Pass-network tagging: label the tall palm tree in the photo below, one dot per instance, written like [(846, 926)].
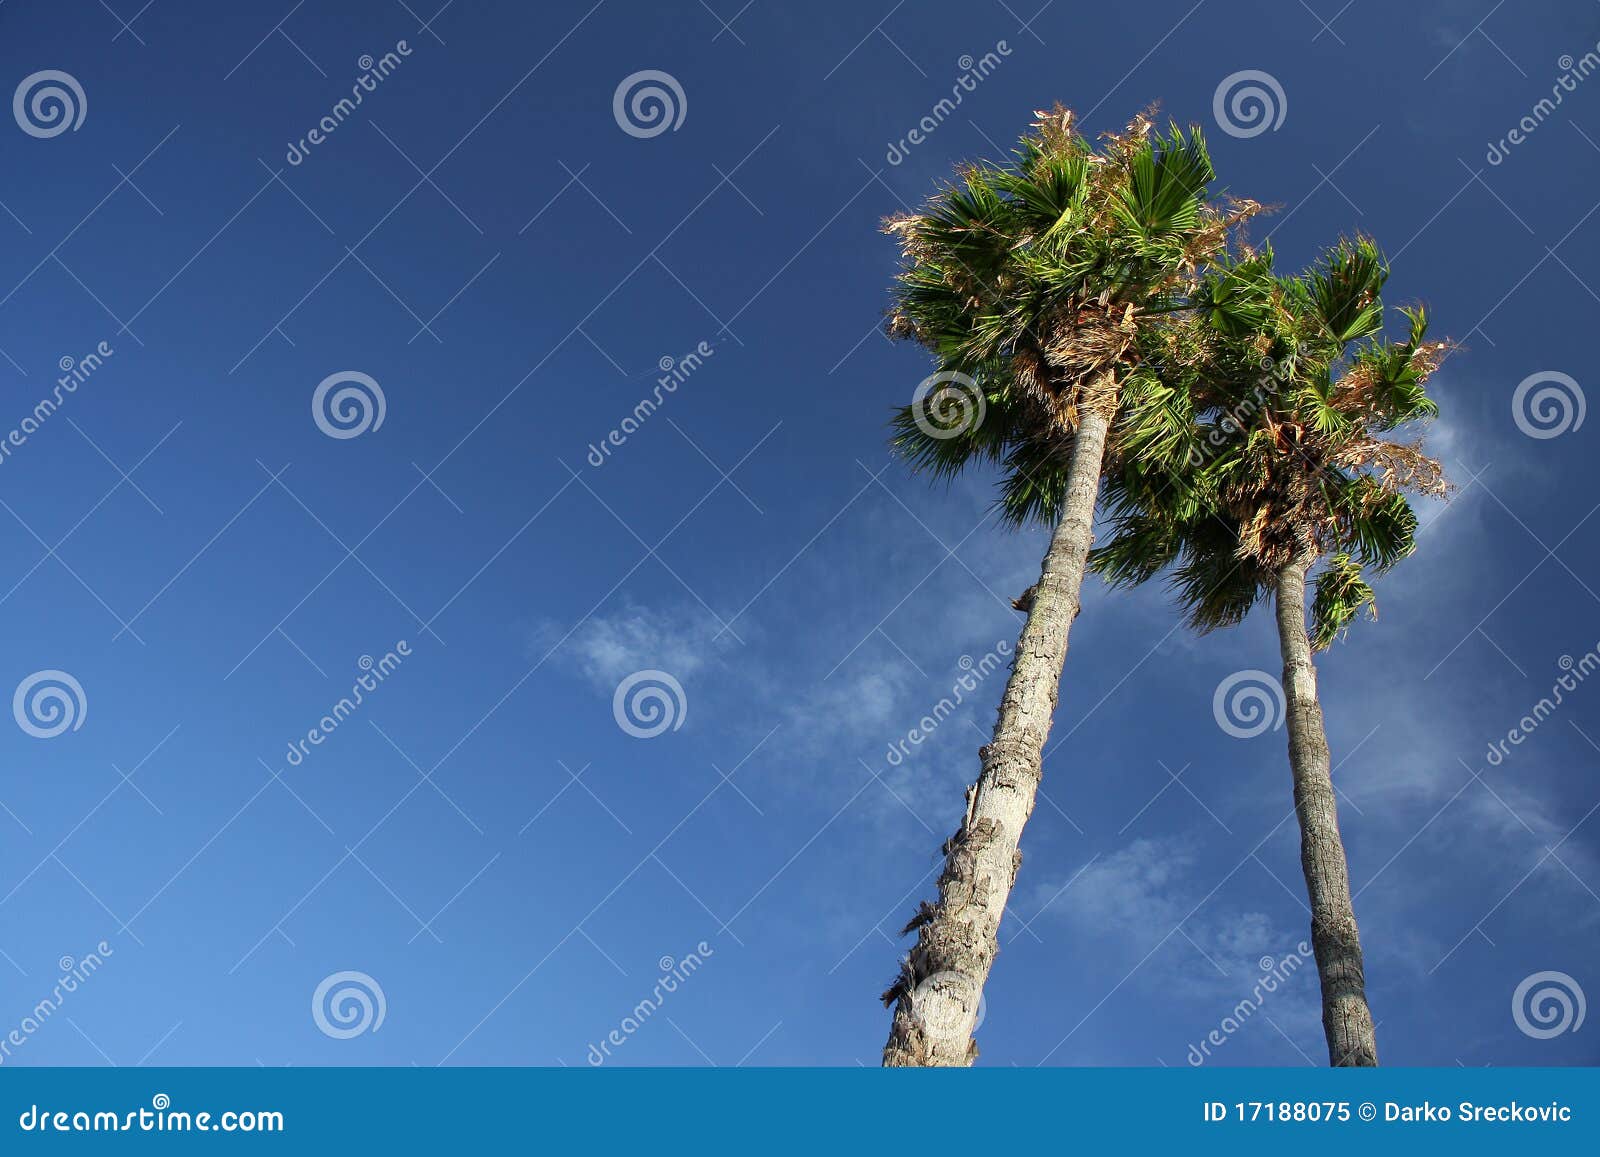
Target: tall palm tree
[(1031, 283), (1275, 459)]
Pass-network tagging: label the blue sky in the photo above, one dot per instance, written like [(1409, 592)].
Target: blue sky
[(482, 238)]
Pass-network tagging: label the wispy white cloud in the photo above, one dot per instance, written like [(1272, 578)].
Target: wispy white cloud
[(612, 645), (1146, 893), (1143, 907)]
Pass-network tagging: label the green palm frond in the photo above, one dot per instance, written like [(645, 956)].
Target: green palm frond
[(1140, 549), (1214, 586), (1341, 593), (1381, 526), (1237, 297), (1033, 487), (1041, 279), (1344, 288), (1166, 177), (1258, 426)]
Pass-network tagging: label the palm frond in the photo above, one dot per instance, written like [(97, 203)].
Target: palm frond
[(1341, 593)]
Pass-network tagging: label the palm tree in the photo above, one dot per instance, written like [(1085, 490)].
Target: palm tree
[(1031, 284), (1275, 458)]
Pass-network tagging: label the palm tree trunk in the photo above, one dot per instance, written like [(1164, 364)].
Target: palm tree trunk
[(936, 996), (1346, 1020)]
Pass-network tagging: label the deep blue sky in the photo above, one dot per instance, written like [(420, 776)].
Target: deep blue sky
[(814, 601)]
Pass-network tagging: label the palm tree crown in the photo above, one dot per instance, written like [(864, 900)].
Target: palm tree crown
[(1270, 436), (1032, 280)]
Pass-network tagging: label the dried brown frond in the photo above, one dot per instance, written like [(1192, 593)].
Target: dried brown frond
[(1083, 347), (1057, 127), (1238, 210), (1428, 357), (900, 222), (1120, 146), (1239, 232), (1397, 467), (899, 326), (1354, 390)]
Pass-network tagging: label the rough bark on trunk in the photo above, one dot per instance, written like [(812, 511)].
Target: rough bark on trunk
[(937, 994), (1346, 1020)]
